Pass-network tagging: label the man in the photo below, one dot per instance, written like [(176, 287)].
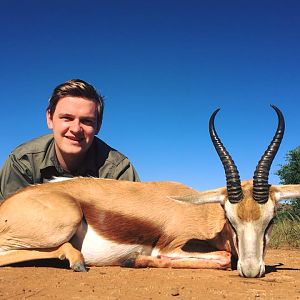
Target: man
[(74, 115)]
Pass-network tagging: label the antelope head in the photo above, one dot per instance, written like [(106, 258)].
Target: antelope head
[(249, 206)]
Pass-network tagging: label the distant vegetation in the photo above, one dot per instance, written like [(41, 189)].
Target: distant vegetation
[(286, 229)]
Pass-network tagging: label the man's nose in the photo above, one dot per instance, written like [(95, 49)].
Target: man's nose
[(76, 126)]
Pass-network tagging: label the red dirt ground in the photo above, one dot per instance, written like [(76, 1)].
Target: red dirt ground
[(41, 281)]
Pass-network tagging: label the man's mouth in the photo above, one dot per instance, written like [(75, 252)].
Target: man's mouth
[(74, 139)]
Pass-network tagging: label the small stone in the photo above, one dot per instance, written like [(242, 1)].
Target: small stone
[(175, 292)]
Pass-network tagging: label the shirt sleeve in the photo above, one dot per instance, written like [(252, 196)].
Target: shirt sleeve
[(125, 171), (13, 176)]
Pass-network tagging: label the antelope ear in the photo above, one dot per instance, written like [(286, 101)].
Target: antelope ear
[(289, 191), (211, 196)]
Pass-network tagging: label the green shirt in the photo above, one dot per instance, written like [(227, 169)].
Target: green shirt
[(35, 162)]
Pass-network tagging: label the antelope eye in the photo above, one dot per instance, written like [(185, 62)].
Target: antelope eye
[(233, 228), (270, 224)]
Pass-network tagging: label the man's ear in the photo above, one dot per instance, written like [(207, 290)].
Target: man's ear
[(49, 119)]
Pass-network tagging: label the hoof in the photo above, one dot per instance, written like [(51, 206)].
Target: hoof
[(130, 261), (79, 267)]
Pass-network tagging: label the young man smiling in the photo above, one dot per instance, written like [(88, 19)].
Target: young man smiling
[(74, 115)]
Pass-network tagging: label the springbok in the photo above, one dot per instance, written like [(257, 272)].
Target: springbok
[(100, 222)]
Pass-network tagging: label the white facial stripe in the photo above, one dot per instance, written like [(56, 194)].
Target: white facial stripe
[(250, 238)]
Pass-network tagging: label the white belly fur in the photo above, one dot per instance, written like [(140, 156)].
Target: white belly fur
[(99, 251)]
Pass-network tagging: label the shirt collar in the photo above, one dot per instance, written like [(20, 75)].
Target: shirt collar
[(88, 167)]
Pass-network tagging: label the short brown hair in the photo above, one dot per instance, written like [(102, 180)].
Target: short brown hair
[(77, 88)]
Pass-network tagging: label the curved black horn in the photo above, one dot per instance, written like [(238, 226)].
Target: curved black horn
[(261, 174), (234, 189)]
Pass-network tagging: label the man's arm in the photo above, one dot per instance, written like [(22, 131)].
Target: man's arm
[(13, 176), (125, 171)]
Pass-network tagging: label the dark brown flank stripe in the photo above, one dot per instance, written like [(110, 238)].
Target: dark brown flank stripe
[(121, 229)]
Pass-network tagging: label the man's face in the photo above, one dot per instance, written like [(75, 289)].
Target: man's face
[(73, 123)]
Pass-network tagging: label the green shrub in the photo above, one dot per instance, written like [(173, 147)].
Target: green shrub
[(286, 229)]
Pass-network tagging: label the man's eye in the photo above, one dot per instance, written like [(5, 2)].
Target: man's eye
[(66, 118), (88, 122)]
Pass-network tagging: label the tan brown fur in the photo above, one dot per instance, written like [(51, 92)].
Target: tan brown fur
[(129, 230), (248, 209), (64, 251), (139, 200), (50, 215), (104, 203), (174, 224)]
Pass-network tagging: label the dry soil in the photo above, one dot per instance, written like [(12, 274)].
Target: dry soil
[(49, 280)]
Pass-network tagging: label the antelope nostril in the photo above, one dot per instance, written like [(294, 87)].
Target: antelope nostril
[(249, 271), (242, 274), (262, 271), (258, 275)]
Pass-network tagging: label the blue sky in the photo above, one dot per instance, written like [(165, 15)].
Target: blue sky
[(163, 67)]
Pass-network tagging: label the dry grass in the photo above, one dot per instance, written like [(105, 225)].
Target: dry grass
[(286, 231)]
